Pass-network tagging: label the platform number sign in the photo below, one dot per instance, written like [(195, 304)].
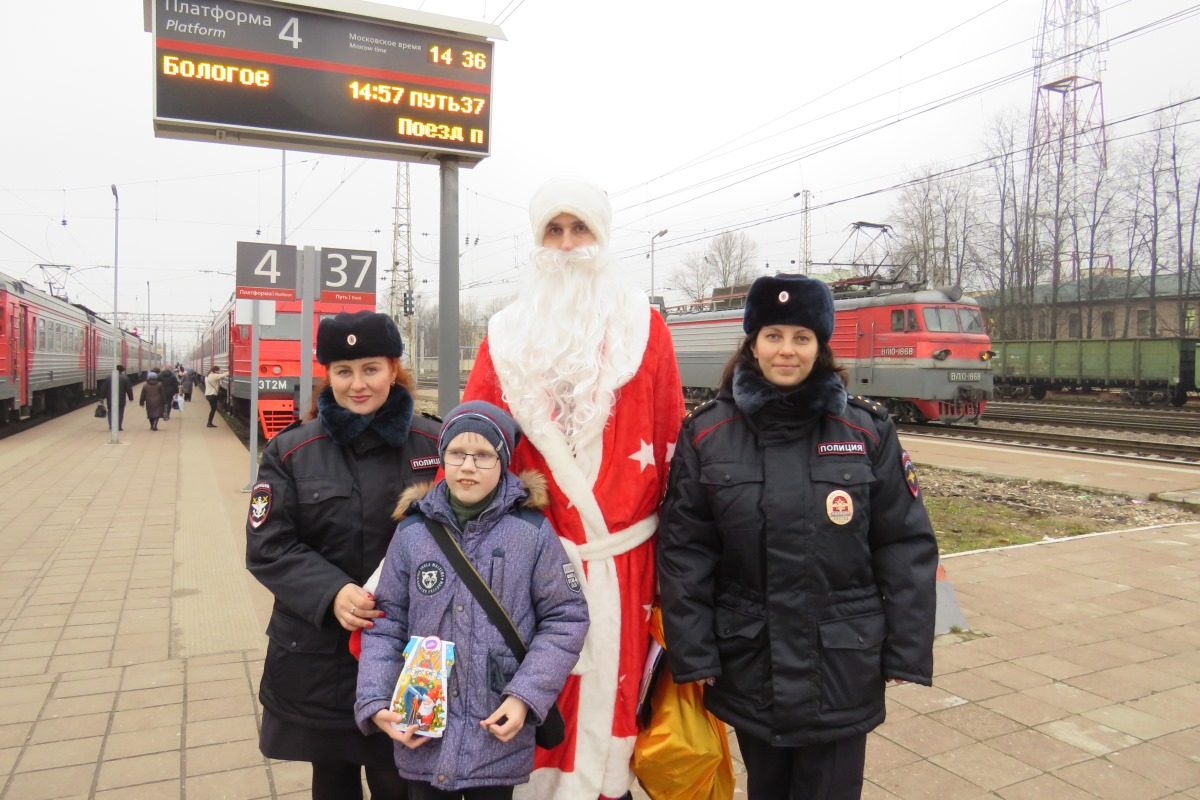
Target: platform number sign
[(347, 276), (266, 271)]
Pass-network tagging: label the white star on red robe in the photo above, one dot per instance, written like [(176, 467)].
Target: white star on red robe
[(644, 454)]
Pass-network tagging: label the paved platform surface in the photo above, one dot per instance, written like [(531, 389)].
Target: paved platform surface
[(131, 642)]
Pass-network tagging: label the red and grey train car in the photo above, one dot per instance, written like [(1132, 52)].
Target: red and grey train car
[(227, 344), (53, 353), (924, 353)]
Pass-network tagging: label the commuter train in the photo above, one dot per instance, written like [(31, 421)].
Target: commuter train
[(1144, 370), (53, 352), (924, 353), (227, 342)]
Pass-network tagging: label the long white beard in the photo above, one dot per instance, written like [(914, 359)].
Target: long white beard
[(564, 336)]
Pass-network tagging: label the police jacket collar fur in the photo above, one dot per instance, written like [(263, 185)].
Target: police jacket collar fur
[(819, 394), (391, 422)]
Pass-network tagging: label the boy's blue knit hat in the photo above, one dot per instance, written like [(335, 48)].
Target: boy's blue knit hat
[(489, 421)]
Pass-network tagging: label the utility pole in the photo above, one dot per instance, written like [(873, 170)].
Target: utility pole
[(1066, 135), (402, 263), (805, 233)]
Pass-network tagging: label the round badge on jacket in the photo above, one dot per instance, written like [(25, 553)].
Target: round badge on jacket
[(431, 577), (839, 506)]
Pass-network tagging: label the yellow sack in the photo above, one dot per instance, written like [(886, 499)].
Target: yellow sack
[(683, 753)]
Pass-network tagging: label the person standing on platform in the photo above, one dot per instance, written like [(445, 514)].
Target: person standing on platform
[(153, 398), (124, 392), (319, 523), (185, 384), (170, 383), (496, 699), (796, 561), (212, 391), (588, 371)]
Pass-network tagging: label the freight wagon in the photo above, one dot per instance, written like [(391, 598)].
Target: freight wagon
[(1144, 370)]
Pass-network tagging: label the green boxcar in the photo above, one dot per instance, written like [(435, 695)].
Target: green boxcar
[(1148, 369)]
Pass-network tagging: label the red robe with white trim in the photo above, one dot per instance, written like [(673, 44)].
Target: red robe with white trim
[(599, 704)]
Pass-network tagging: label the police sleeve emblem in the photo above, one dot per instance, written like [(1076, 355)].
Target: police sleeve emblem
[(260, 505), (910, 474)]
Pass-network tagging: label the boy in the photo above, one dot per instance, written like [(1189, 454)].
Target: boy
[(486, 748)]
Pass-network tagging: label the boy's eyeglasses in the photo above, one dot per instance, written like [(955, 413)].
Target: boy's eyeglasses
[(456, 458)]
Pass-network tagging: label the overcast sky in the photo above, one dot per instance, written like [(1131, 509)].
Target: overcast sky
[(696, 116)]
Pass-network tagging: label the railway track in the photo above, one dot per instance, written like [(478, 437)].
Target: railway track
[(1170, 422), (1095, 443)]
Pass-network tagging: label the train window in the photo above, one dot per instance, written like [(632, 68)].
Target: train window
[(898, 320), (940, 319), (912, 320), (41, 334), (1189, 321), (970, 320), (1074, 326), (287, 326)]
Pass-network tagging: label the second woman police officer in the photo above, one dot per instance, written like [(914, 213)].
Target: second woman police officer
[(796, 561)]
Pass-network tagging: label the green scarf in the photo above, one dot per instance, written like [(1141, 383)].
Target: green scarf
[(465, 513)]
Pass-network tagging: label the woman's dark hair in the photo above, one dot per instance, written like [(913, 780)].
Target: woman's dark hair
[(826, 362)]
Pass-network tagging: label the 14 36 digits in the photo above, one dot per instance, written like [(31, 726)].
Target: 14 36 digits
[(469, 59)]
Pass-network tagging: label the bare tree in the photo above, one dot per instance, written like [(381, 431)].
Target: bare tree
[(693, 277), (1180, 154), (934, 223), (731, 257), (727, 260)]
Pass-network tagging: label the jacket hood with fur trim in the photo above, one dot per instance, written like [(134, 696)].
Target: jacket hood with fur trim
[(534, 483)]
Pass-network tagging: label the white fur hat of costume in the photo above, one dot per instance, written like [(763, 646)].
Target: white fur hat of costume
[(574, 196)]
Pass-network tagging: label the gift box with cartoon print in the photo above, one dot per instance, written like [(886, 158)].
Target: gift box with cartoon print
[(420, 695)]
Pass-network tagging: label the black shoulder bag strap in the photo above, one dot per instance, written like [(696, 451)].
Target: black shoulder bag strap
[(478, 587), (552, 731)]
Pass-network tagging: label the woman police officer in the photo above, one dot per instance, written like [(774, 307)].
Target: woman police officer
[(796, 561), (319, 524)]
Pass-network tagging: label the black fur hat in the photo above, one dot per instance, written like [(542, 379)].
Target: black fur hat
[(789, 300), (362, 334)]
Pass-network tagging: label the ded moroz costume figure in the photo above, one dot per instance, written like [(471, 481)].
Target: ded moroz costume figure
[(587, 369)]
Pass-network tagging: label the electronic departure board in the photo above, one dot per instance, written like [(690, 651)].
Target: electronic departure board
[(301, 77)]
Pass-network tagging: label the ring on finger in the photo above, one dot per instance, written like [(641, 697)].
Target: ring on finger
[(353, 611)]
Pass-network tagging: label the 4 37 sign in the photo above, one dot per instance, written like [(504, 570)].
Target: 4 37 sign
[(270, 272)]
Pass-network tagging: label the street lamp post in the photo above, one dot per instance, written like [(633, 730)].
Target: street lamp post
[(663, 232), (114, 388)]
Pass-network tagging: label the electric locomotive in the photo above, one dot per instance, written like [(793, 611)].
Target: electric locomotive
[(924, 353), (227, 343)]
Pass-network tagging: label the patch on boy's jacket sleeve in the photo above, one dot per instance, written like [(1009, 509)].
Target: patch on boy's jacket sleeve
[(572, 578), (260, 504)]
